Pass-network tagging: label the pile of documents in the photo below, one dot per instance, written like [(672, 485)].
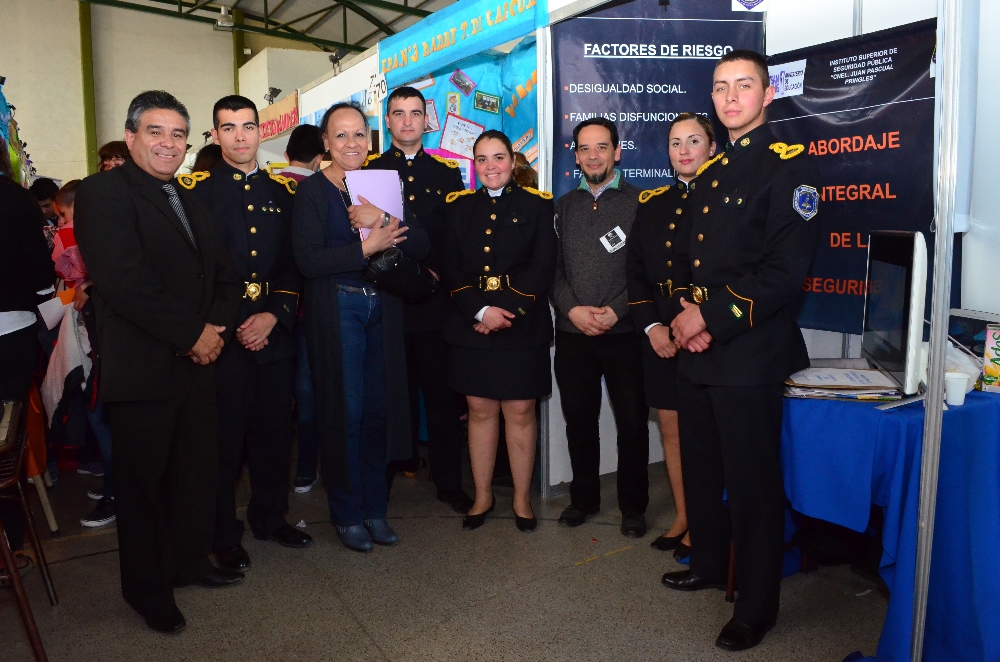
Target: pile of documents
[(841, 384)]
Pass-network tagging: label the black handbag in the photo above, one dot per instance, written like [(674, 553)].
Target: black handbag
[(397, 274)]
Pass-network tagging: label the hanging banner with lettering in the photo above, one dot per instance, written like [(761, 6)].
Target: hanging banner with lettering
[(864, 108), (639, 64), (456, 32)]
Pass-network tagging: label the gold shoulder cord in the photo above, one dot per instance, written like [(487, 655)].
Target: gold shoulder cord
[(451, 163), (704, 166), (455, 195), (288, 182), (544, 195), (646, 196), (188, 181), (787, 151), (371, 157)]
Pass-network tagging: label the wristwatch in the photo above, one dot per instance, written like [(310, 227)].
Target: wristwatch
[(386, 219)]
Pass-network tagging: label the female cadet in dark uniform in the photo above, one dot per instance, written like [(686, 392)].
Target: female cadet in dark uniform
[(499, 261), (649, 267)]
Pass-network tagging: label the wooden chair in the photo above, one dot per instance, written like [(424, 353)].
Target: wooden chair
[(12, 444)]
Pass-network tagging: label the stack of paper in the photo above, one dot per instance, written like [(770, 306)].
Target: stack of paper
[(841, 383)]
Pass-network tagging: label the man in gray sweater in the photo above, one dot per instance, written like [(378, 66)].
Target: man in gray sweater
[(594, 334)]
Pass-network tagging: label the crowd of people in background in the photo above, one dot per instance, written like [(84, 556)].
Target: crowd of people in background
[(226, 307)]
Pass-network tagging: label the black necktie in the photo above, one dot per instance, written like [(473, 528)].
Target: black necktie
[(175, 204)]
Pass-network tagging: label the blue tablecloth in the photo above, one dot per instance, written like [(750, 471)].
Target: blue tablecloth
[(839, 457)]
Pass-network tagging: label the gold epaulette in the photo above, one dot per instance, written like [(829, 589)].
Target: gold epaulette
[(787, 151), (704, 167), (645, 196), (455, 195), (544, 195), (451, 163), (288, 182), (188, 181), (371, 157)]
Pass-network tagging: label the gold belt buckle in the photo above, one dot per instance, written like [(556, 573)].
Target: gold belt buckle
[(253, 291), (492, 283), (699, 294)]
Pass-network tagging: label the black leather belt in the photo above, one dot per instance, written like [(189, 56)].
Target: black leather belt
[(350, 289), (699, 293), (494, 283), (667, 288), (255, 289)]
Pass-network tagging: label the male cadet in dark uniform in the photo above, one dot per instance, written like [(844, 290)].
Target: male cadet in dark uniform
[(427, 180), (252, 213), (752, 235)]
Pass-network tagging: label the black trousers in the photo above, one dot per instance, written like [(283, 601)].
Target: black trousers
[(427, 370), (730, 441), (255, 412), (18, 351), (164, 473), (580, 363)]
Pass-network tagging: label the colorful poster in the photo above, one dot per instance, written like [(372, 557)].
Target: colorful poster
[(519, 102), (459, 135)]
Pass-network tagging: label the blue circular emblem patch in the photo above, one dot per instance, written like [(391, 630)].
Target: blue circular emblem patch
[(749, 4), (805, 201)]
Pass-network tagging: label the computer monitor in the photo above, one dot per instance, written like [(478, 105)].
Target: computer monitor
[(894, 306)]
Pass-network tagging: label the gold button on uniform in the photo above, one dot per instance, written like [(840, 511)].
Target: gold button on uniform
[(253, 230), (726, 200), (697, 263), (486, 249), (705, 210), (740, 201), (409, 163), (410, 178), (253, 275), (249, 207), (488, 231), (725, 160), (669, 244), (486, 268), (253, 253), (684, 196), (701, 237), (237, 176), (691, 185), (670, 263), (672, 226), (412, 198), (279, 210), (246, 187), (715, 182), (428, 190), (493, 217), (679, 211)]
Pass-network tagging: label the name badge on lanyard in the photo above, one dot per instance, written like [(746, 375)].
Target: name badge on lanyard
[(613, 240)]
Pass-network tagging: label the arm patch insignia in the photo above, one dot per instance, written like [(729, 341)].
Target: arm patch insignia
[(805, 201)]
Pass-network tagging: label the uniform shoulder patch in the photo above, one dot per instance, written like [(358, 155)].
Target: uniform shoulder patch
[(705, 165), (455, 195), (786, 151), (371, 157), (544, 195), (287, 182), (189, 181), (451, 163), (648, 195), (805, 201)]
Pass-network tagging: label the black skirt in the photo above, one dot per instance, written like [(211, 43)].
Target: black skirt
[(660, 376), (511, 374)]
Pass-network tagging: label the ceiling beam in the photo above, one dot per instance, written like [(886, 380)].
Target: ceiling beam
[(392, 6), (368, 16), (303, 17), (198, 5)]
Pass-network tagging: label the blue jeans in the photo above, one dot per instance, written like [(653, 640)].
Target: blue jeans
[(305, 407), (364, 405), (102, 431)]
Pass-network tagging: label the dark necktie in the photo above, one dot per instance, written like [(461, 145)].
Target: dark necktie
[(175, 204)]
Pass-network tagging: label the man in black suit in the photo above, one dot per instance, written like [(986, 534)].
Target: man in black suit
[(166, 298)]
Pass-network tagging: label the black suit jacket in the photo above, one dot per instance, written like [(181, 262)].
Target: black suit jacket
[(154, 290), (25, 263)]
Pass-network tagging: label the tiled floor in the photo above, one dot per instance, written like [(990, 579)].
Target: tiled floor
[(441, 594)]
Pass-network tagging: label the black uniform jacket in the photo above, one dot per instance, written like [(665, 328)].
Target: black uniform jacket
[(427, 181), (500, 252), (153, 290), (25, 260), (649, 263), (752, 232), (253, 215)]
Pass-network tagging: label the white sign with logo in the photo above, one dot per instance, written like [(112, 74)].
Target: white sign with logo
[(789, 79), (750, 5)]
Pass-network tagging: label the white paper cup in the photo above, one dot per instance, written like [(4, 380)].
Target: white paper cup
[(955, 384)]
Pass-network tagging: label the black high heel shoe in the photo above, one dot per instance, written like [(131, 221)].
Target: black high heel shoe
[(666, 543), (472, 522), (525, 523)]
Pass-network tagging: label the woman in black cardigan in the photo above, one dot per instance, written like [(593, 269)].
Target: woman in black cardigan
[(354, 334), (499, 262)]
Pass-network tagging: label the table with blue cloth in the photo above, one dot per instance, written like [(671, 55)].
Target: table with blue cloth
[(841, 456)]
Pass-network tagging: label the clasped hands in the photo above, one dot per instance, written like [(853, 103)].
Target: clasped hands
[(689, 329), (367, 215), (591, 320), (494, 319), (252, 334)]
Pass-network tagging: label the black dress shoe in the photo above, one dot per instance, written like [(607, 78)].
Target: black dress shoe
[(685, 580), (289, 536), (633, 524), (666, 543), (575, 515), (472, 522), (234, 559), (525, 523), (459, 501), (681, 551), (170, 622), (739, 636), (216, 578)]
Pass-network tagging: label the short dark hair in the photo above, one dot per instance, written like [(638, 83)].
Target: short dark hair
[(67, 194), (493, 134), (305, 143), (405, 92), (44, 188), (758, 60), (116, 149), (233, 103), (596, 121), (154, 100), (353, 105), (207, 158), (703, 121)]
